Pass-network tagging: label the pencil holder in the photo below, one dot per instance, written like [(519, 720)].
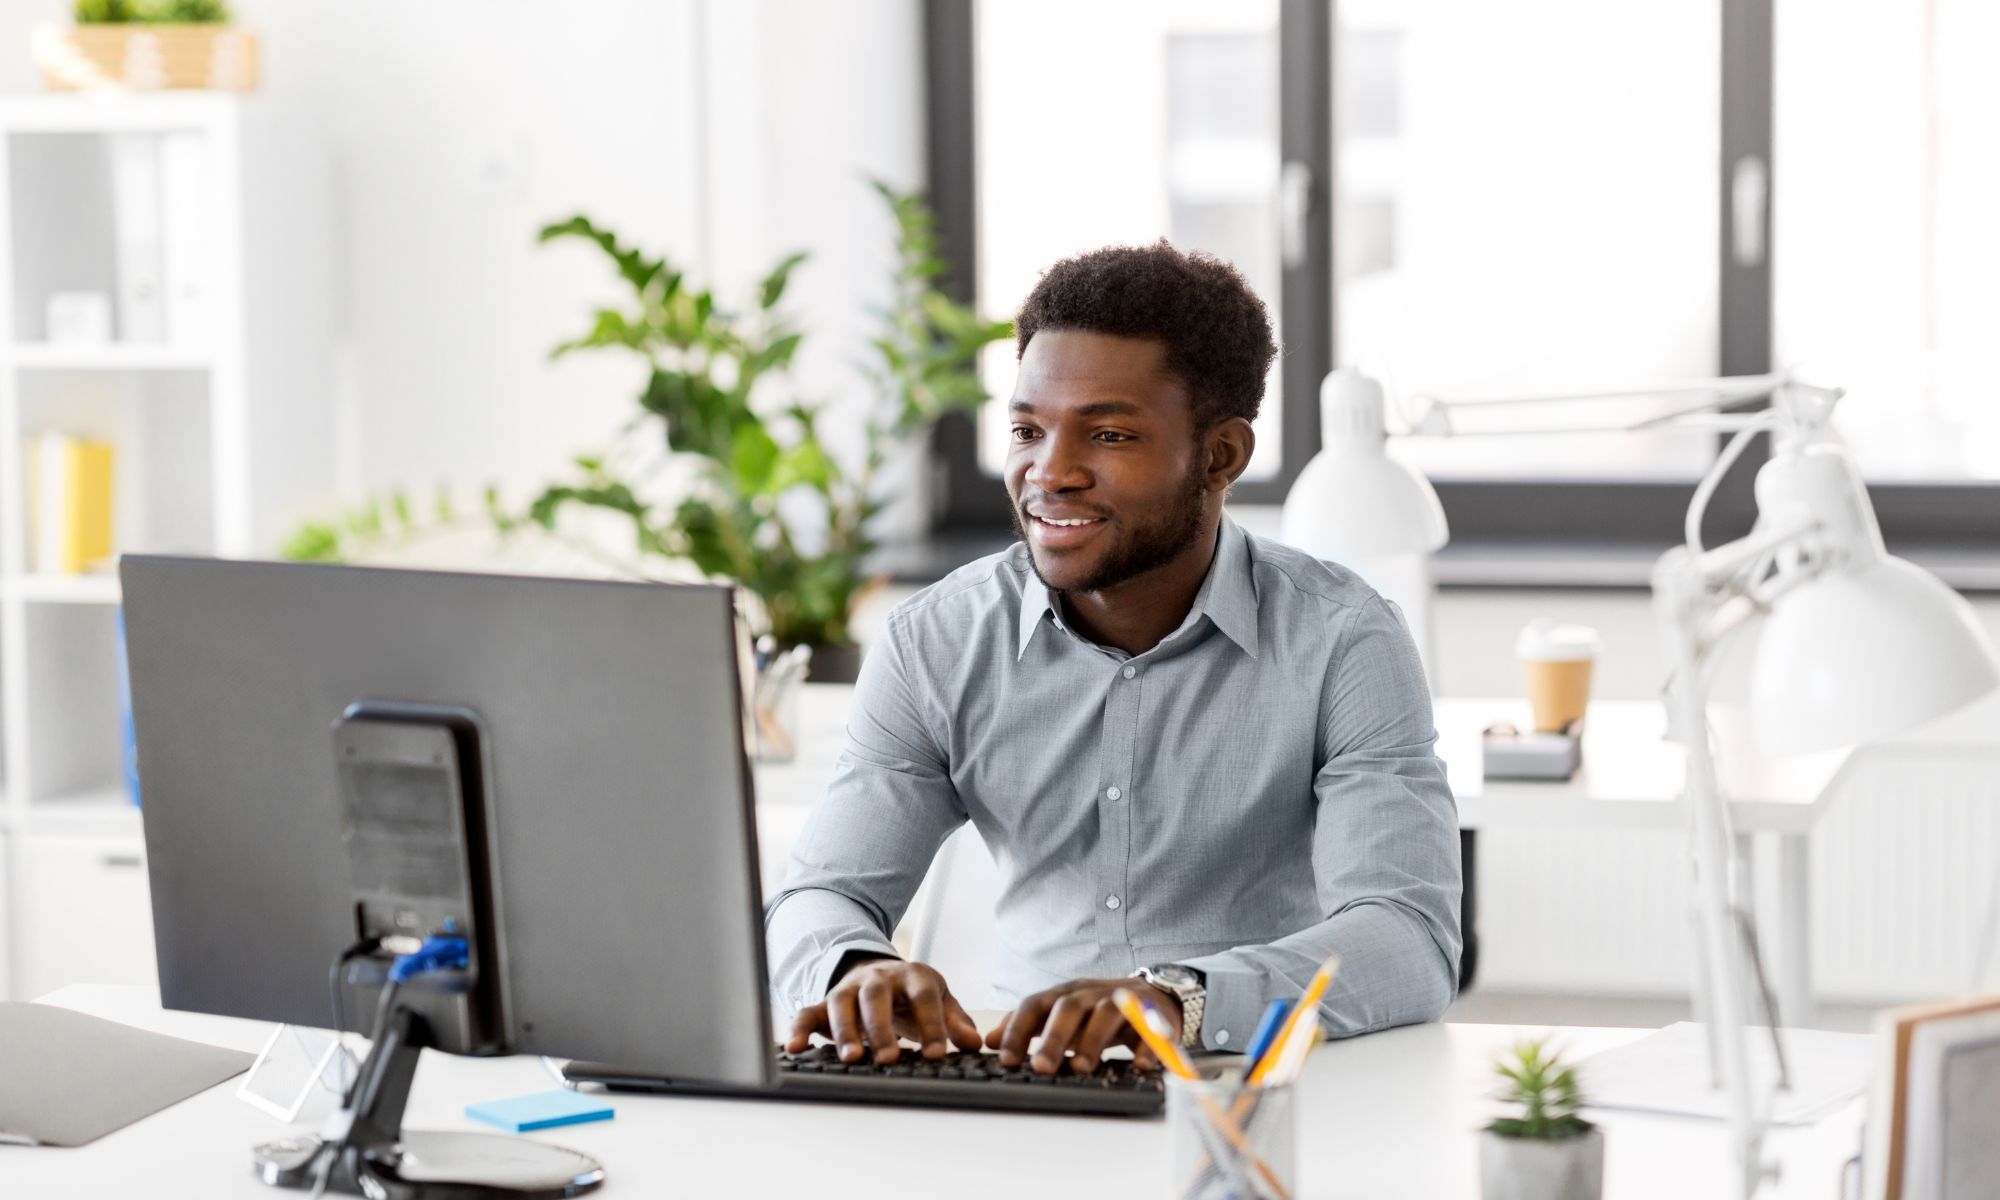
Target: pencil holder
[(1229, 1140)]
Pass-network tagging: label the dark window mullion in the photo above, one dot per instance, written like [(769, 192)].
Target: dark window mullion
[(1743, 284), (961, 495), (1305, 142)]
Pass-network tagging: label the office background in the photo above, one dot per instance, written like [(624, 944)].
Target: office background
[(1547, 216)]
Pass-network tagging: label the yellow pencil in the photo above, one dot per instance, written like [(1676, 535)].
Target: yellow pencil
[(1152, 1029), (1308, 1002), (1163, 1048)]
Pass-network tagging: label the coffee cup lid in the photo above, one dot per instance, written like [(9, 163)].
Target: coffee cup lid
[(1547, 640)]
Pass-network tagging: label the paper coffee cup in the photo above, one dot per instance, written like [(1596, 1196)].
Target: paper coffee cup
[(1555, 660)]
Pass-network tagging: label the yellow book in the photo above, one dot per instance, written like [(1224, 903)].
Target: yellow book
[(87, 531)]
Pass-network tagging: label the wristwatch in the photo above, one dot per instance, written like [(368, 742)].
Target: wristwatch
[(1188, 986)]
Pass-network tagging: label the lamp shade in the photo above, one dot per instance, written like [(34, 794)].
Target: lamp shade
[(1864, 654), (1352, 500)]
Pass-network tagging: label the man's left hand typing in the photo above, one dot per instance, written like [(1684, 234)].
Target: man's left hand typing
[(1080, 1020)]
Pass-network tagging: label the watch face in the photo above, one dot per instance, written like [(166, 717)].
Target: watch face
[(1176, 974)]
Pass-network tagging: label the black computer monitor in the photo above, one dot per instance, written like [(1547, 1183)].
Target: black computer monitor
[(338, 759)]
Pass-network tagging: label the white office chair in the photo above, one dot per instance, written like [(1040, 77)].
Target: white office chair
[(950, 923)]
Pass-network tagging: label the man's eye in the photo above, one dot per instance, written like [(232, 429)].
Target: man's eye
[(1110, 436), (1022, 433)]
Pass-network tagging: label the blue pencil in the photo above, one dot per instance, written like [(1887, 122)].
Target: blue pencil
[(1267, 1031)]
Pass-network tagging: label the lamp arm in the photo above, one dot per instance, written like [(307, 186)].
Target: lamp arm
[(1719, 394), (1681, 593)]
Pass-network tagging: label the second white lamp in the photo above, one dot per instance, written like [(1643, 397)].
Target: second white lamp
[(1355, 505)]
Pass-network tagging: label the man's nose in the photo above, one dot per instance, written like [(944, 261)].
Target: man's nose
[(1056, 468)]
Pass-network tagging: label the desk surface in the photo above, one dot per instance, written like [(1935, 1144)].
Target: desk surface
[(1384, 1116)]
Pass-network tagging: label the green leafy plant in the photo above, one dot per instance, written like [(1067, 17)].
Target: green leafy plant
[(1546, 1089), (719, 392), (152, 12), (767, 503), (382, 521)]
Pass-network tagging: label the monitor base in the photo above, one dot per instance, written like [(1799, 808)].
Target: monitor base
[(433, 1166), (377, 1158)]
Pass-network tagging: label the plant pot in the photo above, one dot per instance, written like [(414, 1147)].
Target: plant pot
[(144, 58), (834, 664), (1512, 1168)]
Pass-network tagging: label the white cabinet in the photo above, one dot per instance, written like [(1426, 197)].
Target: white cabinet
[(6, 889), (219, 425), (85, 913)]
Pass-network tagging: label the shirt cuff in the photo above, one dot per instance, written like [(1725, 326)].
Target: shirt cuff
[(1232, 1002), (829, 962)]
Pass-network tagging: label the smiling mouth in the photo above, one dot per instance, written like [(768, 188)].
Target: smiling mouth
[(1062, 532), (1068, 522)]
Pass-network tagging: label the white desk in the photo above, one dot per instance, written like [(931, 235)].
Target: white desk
[(1386, 1116), (1630, 780)]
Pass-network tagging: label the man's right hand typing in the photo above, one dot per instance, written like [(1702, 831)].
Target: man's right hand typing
[(879, 1001)]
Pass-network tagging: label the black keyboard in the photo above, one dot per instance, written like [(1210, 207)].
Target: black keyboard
[(961, 1079)]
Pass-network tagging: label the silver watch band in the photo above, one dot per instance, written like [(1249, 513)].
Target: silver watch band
[(1192, 997)]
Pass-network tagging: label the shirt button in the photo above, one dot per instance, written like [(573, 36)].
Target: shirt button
[(1131, 671), (1114, 793), (1111, 902), (1222, 1037)]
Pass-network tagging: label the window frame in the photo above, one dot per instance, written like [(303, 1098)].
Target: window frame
[(1485, 514)]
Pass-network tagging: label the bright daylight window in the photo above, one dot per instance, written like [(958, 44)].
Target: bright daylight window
[(1527, 205), (1190, 86), (1887, 215)]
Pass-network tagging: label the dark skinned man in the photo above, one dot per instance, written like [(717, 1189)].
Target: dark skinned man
[(1202, 760)]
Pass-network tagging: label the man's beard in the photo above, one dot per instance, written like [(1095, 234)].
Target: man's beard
[(1149, 546)]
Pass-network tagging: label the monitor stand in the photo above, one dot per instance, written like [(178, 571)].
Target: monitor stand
[(408, 1165)]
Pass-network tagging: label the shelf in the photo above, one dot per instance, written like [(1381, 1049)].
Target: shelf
[(111, 356), (109, 112), (104, 810), (65, 589)]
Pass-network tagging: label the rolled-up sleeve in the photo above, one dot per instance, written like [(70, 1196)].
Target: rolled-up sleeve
[(866, 847), (1385, 857)]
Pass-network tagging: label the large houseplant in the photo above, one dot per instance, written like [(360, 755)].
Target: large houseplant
[(759, 496), (718, 391)]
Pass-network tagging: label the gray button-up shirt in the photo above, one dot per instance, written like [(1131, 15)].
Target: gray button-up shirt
[(1256, 791)]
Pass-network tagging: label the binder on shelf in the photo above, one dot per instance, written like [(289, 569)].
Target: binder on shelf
[(70, 494), (185, 247), (137, 235)]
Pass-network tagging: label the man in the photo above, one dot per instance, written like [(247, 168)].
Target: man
[(1197, 756)]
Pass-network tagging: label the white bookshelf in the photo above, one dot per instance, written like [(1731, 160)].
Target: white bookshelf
[(221, 439)]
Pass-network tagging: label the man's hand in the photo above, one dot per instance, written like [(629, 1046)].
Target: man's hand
[(1079, 1017), (876, 1003)]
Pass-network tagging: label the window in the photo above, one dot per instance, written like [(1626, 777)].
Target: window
[(1143, 120), (1472, 199), (1526, 205), (1887, 115)]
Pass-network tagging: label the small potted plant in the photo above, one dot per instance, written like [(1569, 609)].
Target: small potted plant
[(147, 45), (1548, 1151)]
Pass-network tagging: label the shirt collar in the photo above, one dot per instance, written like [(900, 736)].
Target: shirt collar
[(1228, 595)]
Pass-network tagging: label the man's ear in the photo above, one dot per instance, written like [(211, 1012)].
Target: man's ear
[(1229, 446)]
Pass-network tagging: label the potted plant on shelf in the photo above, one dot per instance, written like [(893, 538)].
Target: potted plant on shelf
[(1548, 1152), (147, 45)]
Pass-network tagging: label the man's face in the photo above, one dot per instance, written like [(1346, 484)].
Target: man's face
[(1104, 435)]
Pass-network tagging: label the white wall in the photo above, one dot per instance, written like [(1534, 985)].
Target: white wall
[(722, 133)]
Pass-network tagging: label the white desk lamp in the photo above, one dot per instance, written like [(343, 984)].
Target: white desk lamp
[(1852, 644), (1356, 506)]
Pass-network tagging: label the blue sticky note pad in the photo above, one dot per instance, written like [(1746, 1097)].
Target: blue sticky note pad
[(543, 1110)]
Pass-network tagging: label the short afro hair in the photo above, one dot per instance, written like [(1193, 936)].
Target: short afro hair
[(1215, 329)]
